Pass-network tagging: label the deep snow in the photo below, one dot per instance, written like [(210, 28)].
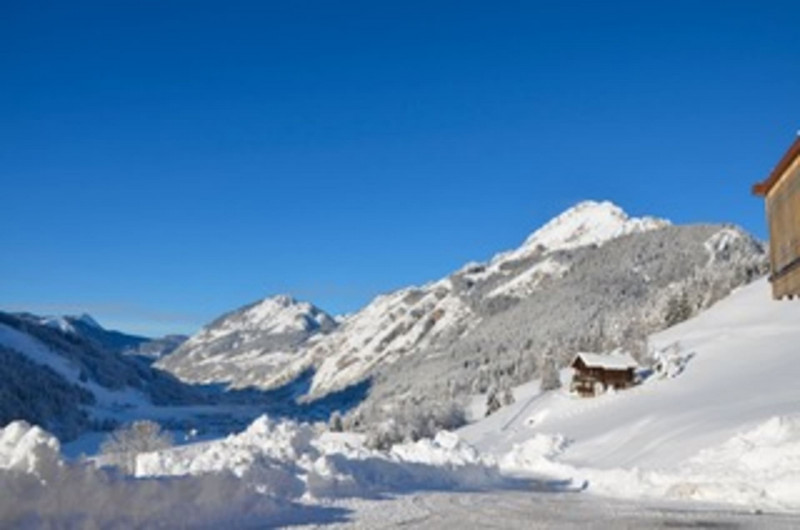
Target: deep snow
[(725, 428)]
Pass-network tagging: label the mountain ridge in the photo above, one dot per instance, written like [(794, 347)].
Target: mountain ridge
[(407, 326)]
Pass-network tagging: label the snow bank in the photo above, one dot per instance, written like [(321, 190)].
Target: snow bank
[(271, 474), (759, 468), (537, 453), (446, 462), (28, 449), (39, 490), (289, 460)]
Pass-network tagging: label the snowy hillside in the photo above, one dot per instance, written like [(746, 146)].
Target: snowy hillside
[(590, 278), (68, 382), (87, 328), (246, 346), (725, 429), (416, 319), (404, 322)]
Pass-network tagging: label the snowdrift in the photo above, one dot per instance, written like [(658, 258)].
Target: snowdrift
[(273, 473)]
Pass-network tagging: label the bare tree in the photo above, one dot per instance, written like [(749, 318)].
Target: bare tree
[(125, 443)]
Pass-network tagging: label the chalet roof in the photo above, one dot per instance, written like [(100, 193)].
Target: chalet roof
[(613, 361), (763, 188)]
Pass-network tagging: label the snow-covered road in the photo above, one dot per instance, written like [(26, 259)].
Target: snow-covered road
[(533, 510)]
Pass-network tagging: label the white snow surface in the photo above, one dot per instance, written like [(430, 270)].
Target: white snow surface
[(271, 474), (722, 429), (719, 425), (612, 361), (725, 429), (292, 460)]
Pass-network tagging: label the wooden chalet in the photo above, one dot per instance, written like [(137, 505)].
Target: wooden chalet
[(782, 193), (595, 374)]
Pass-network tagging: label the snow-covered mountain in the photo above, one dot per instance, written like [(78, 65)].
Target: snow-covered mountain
[(592, 276), (58, 377), (247, 345), (86, 327), (240, 347), (723, 429)]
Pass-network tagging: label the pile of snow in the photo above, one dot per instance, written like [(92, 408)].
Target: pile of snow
[(290, 460), (273, 473), (534, 454), (42, 491), (760, 466), (28, 449)]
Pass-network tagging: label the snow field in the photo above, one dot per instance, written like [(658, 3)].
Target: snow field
[(722, 425)]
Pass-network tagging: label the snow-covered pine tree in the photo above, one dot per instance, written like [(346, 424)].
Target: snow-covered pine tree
[(549, 372)]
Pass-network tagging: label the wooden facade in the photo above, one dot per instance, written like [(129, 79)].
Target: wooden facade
[(596, 374), (781, 191)]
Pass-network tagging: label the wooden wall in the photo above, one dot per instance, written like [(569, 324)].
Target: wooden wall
[(783, 211)]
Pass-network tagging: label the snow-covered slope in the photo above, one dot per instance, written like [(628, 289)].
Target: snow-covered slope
[(591, 277), (87, 328), (509, 301), (413, 319), (726, 428), (247, 345), (68, 382)]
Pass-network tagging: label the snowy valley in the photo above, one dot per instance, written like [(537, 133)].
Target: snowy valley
[(285, 415), (724, 431)]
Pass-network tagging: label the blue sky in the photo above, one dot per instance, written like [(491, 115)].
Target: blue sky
[(164, 162)]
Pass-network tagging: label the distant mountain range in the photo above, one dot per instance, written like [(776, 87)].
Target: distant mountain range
[(87, 327), (591, 279), (69, 374)]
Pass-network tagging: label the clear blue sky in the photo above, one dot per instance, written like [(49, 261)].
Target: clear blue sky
[(163, 162)]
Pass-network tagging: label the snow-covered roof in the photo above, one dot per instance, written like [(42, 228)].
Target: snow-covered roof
[(613, 361)]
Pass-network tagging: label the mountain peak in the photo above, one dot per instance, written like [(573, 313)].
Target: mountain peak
[(283, 300), (87, 319), (591, 207), (589, 223)]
